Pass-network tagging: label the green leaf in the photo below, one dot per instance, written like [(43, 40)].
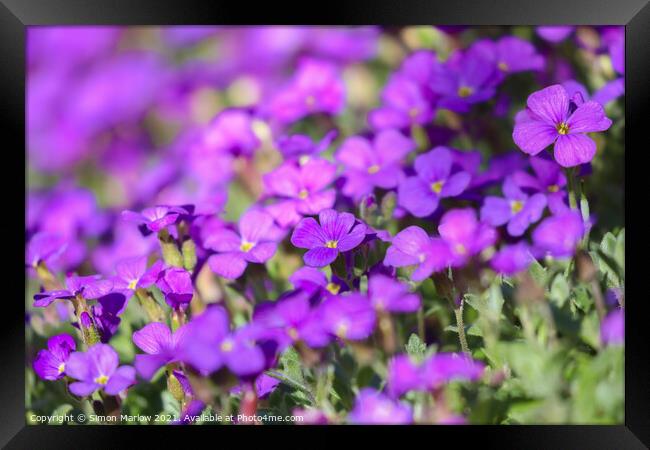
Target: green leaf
[(560, 290), (415, 347), (292, 365), (538, 272)]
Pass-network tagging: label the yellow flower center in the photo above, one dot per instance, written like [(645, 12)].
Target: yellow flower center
[(422, 257), (333, 288), (303, 194), (246, 246), (61, 367), (563, 128), (293, 333), (102, 379), (226, 346), (133, 284), (413, 113), (460, 249), (304, 159), (503, 66), (373, 169), (331, 244), (465, 91), (342, 330), (553, 188), (516, 206), (437, 186)]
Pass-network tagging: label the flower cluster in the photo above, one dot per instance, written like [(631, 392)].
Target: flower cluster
[(284, 229)]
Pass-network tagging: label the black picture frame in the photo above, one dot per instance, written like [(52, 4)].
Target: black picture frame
[(16, 15)]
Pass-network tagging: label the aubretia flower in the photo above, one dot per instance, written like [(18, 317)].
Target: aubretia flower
[(388, 294), (254, 244), (50, 364), (510, 54), (302, 147), (176, 284), (377, 164), (374, 408), (610, 91), (512, 259), (291, 319), (554, 34), (421, 194), (350, 316), (45, 247), (105, 314), (96, 369), (89, 287), (465, 79), (314, 281), (300, 190), (612, 328), (412, 246), (209, 345), (517, 209), (549, 119), (159, 344), (317, 87), (132, 273), (157, 218), (465, 235), (548, 178), (337, 232), (231, 131), (559, 234)]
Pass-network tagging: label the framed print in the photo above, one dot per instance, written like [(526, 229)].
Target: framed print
[(379, 220)]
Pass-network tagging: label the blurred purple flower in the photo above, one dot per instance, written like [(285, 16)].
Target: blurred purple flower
[(388, 294), (374, 408), (176, 284), (465, 235), (302, 147), (158, 218), (554, 34), (512, 259), (89, 287), (348, 316), (160, 345), (412, 246), (612, 328), (510, 54), (559, 234), (132, 273)]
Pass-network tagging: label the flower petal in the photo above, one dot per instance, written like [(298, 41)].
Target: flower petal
[(590, 116), (550, 104), (574, 149), (415, 195), (261, 253), (320, 256), (308, 234), (532, 136), (153, 338), (228, 265), (120, 380), (352, 239)]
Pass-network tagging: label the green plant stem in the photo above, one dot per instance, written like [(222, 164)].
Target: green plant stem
[(460, 326), (571, 180)]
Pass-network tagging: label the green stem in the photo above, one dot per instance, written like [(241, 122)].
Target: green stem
[(571, 180), (461, 327)]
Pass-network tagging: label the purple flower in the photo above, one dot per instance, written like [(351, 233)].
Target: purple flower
[(317, 87), (264, 386), (404, 375), (45, 247), (176, 284), (314, 281), (388, 294), (160, 345), (512, 259), (517, 209), (407, 98), (549, 119), (510, 54), (50, 364), (209, 345), (351, 317), (465, 79), (421, 194), (255, 243), (300, 190), (465, 235), (404, 104), (158, 217), (105, 314), (302, 147), (374, 408), (554, 34), (231, 131), (412, 246), (614, 38), (89, 287), (608, 92), (291, 319), (132, 273), (612, 329), (559, 234), (337, 232), (96, 369), (377, 164)]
